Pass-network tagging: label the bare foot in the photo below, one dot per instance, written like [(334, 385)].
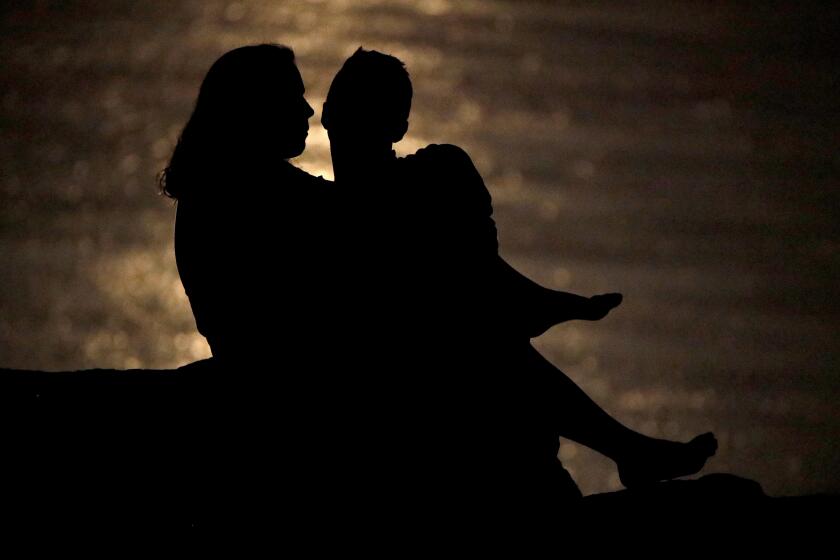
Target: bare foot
[(653, 460)]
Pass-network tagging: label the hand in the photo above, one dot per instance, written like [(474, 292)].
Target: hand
[(598, 306)]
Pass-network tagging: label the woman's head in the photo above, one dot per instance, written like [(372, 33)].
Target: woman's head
[(250, 113)]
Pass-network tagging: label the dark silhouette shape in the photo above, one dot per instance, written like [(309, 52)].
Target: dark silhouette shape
[(250, 244), (111, 450), (237, 440), (430, 234), (392, 422), (243, 209)]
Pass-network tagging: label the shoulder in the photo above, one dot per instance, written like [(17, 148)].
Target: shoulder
[(449, 167), (189, 211), (446, 163), (197, 220), (441, 155)]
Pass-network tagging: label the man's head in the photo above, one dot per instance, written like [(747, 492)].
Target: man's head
[(368, 102)]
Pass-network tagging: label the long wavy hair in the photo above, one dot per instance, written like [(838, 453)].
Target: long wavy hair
[(230, 123)]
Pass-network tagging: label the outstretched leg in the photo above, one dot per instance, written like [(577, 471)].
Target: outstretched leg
[(640, 459)]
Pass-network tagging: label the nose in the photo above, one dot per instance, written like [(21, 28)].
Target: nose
[(309, 110)]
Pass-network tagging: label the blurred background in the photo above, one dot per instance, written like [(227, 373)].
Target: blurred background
[(683, 153)]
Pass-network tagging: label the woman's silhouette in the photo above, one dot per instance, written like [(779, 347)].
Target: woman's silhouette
[(247, 233), (239, 197)]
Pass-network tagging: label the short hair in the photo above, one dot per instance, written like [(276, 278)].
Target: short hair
[(373, 85)]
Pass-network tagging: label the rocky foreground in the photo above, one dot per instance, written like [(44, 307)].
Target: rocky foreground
[(155, 448)]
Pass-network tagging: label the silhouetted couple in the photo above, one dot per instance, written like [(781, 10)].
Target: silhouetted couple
[(374, 343)]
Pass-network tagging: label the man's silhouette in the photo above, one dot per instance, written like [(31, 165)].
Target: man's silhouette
[(425, 225), (398, 407)]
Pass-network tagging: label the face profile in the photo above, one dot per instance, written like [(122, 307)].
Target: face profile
[(261, 102), (288, 113), (250, 115)]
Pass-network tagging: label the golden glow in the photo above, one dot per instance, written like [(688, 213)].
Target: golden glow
[(154, 318)]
